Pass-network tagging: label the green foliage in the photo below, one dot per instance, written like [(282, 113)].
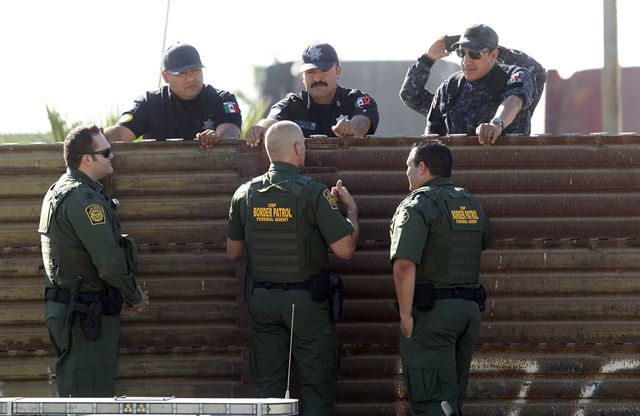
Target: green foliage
[(26, 138), (112, 118), (59, 127), (254, 111)]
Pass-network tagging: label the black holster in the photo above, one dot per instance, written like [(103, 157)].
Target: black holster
[(111, 301), (423, 297), (90, 306), (91, 320), (248, 285), (481, 297), (90, 312), (319, 287), (337, 297), (328, 287)]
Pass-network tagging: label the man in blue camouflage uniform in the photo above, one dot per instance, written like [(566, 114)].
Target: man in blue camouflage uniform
[(495, 93), (325, 108)]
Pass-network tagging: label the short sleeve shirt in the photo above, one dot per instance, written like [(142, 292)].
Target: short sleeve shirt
[(162, 115), (317, 119), (87, 222), (418, 219), (410, 227), (321, 211)]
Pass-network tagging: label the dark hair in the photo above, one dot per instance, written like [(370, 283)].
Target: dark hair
[(79, 142), (435, 155)]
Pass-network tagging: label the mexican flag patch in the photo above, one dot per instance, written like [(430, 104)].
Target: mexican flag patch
[(230, 107)]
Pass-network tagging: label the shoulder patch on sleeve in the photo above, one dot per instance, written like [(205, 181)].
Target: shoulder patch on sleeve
[(404, 217), (95, 212), (330, 199), (362, 101), (125, 118), (230, 107), (516, 78)]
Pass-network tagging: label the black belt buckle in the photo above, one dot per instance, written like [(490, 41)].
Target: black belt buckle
[(285, 286), (455, 293)]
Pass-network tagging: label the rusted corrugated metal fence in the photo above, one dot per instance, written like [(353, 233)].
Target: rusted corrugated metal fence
[(560, 334)]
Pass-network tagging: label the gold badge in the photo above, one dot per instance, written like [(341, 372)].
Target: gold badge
[(95, 213), (125, 118), (330, 199), (405, 218)]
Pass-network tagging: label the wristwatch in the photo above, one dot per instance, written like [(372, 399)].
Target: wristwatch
[(498, 122)]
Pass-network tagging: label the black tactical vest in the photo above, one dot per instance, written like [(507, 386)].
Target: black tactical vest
[(452, 255), (279, 248), (63, 261)]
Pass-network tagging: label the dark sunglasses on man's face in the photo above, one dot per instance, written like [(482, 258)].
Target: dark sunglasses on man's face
[(105, 153), (475, 55)]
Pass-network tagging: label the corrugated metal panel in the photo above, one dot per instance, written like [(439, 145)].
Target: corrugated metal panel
[(560, 333)]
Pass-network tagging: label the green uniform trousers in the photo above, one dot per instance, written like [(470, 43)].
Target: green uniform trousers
[(437, 357), (315, 347), (84, 368)]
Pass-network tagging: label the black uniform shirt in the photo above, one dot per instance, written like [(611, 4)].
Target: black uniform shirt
[(162, 115), (315, 118)]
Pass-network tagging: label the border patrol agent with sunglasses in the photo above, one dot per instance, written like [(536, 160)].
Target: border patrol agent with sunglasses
[(88, 267), (495, 93), (437, 234), (284, 222)]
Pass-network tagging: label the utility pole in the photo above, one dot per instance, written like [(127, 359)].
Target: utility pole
[(611, 103), (164, 41)]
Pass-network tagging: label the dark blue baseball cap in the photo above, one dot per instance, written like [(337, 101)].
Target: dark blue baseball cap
[(180, 57), (478, 37), (318, 55)]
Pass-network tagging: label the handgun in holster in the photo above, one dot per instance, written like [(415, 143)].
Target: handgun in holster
[(90, 313)]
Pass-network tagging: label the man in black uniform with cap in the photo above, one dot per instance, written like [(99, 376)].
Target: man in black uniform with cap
[(325, 108), (185, 108)]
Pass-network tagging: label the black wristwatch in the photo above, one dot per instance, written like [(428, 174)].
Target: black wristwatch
[(498, 122)]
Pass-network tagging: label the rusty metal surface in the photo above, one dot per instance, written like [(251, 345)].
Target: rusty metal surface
[(559, 335)]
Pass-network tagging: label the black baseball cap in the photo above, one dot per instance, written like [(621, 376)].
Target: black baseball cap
[(180, 57), (478, 37), (318, 55)]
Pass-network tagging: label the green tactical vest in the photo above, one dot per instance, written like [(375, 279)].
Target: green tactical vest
[(63, 261), (452, 255), (280, 248)]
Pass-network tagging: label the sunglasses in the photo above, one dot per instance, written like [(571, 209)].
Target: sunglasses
[(475, 55), (105, 153)]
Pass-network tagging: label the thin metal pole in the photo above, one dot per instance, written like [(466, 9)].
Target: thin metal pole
[(293, 311), (164, 41), (611, 104)]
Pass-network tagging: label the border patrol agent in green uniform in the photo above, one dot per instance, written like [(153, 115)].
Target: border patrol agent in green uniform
[(284, 222), (437, 235), (89, 269)]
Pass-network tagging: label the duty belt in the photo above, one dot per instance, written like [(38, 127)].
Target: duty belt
[(476, 295), (456, 293), (283, 286), (60, 295)]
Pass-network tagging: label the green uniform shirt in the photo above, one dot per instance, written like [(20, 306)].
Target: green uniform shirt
[(320, 212), (85, 223), (418, 218)]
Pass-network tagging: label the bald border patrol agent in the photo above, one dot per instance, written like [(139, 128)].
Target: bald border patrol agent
[(284, 222), (88, 268), (437, 234)]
